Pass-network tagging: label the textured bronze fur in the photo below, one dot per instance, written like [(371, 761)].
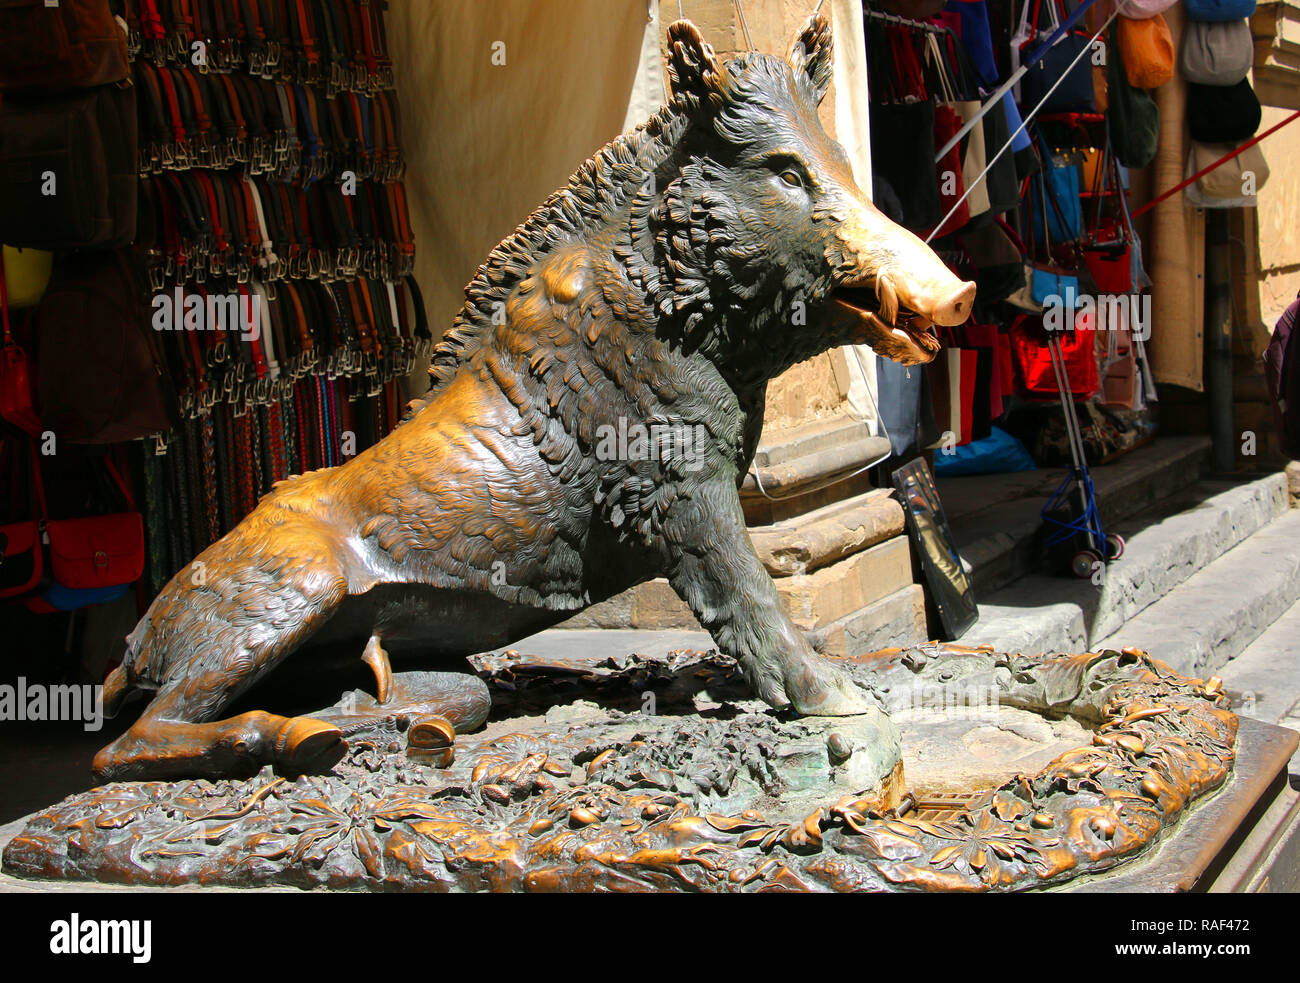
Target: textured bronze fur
[(684, 266)]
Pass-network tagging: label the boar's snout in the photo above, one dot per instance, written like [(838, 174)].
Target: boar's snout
[(949, 306), (892, 290)]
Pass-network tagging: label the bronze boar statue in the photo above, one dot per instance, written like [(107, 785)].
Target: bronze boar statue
[(685, 265)]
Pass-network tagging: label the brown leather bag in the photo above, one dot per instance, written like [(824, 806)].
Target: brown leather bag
[(69, 169), (102, 374), (72, 45)]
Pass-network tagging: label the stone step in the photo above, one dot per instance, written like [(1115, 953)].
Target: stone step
[(813, 600), (1264, 680), (1220, 610), (849, 587), (1166, 546), (996, 519), (898, 619), (596, 644), (822, 537)]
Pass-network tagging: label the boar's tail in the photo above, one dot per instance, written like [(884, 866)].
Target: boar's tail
[(116, 688), (122, 681)]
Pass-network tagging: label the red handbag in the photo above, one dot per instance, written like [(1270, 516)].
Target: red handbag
[(1107, 249), (84, 553), (97, 550), (947, 124), (16, 405), (1034, 361)]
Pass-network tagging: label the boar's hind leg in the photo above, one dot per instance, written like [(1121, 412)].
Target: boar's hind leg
[(170, 741), (714, 569)]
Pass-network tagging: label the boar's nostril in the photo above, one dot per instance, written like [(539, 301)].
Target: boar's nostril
[(956, 307)]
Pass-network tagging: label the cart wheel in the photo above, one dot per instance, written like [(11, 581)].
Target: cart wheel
[(1081, 565), (1114, 546)]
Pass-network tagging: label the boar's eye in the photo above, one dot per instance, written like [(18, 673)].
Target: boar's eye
[(790, 170)]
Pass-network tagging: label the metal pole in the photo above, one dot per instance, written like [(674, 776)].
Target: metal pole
[(1218, 339)]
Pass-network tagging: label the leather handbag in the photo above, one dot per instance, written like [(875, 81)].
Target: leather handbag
[(1223, 113), (102, 375), (51, 46), (1233, 184), (953, 378), (63, 564), (94, 552), (1218, 10), (69, 169), (999, 270), (1033, 360), (908, 170), (1053, 275), (952, 187), (1217, 52), (1107, 245), (1001, 180), (1148, 51), (1240, 176), (1067, 62)]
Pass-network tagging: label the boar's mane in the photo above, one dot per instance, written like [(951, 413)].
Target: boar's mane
[(694, 282)]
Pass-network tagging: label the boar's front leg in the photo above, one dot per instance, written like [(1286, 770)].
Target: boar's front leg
[(713, 568)]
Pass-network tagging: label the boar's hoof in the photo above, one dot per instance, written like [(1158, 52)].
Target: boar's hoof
[(305, 745), (819, 689)]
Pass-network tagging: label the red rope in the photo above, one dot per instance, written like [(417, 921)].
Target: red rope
[(1218, 163)]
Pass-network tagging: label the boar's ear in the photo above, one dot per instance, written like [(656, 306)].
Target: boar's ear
[(811, 54), (698, 77)]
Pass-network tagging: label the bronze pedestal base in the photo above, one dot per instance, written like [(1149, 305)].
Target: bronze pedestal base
[(654, 775)]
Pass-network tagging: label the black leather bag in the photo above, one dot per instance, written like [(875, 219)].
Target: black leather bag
[(1067, 62), (1222, 113), (68, 170), (903, 137)]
